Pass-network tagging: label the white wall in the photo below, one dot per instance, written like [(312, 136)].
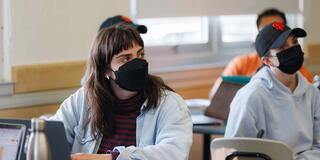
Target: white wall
[(311, 20), (61, 30), (172, 8), (57, 30)]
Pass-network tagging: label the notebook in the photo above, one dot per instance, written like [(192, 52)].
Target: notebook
[(205, 120), (197, 107), (11, 140)]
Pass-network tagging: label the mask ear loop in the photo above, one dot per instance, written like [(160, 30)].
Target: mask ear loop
[(268, 54), (108, 77)]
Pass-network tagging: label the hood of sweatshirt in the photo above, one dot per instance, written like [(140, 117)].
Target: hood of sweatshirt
[(271, 82)]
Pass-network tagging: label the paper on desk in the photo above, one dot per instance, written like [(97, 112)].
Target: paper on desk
[(198, 103), (197, 106)]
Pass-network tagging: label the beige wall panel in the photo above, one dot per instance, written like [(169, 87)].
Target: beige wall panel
[(45, 31), (29, 112), (313, 53), (42, 77)]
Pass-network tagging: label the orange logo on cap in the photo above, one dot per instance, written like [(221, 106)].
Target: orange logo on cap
[(126, 19), (278, 26)]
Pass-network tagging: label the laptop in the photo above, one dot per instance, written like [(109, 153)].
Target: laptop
[(56, 136), (11, 140), (220, 103)]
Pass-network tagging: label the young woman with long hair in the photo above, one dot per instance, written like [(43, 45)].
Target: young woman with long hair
[(122, 109)]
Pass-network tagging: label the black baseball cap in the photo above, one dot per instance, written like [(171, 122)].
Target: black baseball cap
[(274, 36), (122, 19)]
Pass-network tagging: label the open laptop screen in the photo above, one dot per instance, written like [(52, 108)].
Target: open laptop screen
[(11, 137), (220, 102)]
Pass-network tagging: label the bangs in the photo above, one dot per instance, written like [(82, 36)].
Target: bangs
[(121, 39), (110, 42)]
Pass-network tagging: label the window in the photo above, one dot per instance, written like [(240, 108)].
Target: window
[(195, 40), (237, 34), (242, 28), (201, 40), (175, 31), (239, 31), (238, 28)]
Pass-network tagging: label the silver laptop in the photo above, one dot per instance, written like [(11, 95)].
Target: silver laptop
[(56, 136), (11, 140)]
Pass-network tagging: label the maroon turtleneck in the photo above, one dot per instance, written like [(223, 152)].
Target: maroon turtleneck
[(125, 113)]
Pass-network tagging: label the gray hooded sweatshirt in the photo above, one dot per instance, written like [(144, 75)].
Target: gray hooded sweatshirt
[(266, 104)]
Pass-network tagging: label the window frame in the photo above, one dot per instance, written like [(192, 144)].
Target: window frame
[(1, 44), (214, 49), (6, 40)]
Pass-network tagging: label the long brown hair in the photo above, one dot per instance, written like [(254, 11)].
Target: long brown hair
[(99, 95)]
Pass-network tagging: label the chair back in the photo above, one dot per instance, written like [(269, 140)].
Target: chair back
[(252, 148)]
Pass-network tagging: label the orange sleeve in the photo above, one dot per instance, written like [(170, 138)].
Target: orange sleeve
[(306, 73), (242, 65), (233, 68)]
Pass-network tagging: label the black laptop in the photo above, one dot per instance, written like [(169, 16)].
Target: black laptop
[(220, 103), (55, 133)]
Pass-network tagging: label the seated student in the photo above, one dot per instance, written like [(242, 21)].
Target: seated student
[(248, 64), (123, 108), (278, 99)]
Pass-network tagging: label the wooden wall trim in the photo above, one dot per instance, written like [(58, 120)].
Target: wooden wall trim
[(312, 53), (65, 75), (29, 112), (43, 77), (191, 77), (192, 83)]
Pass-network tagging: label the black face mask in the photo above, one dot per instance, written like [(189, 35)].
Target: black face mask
[(133, 75), (291, 59)]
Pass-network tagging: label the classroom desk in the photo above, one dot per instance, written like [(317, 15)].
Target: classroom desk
[(204, 126), (207, 130)]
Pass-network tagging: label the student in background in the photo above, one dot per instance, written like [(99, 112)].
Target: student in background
[(122, 109), (278, 99), (122, 19), (247, 65)]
